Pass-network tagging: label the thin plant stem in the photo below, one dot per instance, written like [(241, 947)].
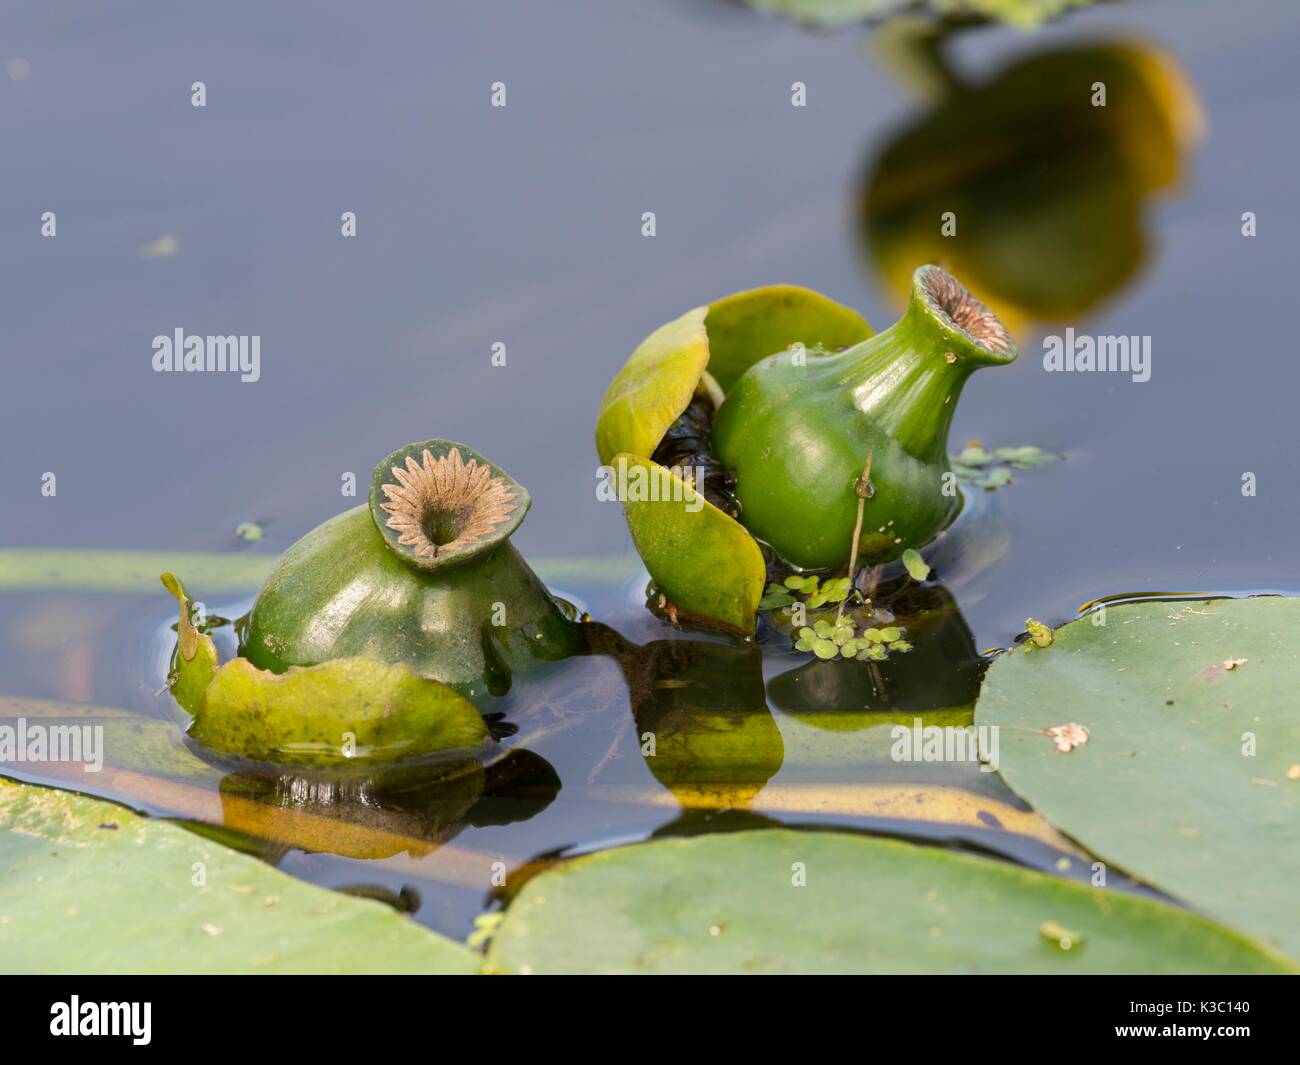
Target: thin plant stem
[(863, 491)]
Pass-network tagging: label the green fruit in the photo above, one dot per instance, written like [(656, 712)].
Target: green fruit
[(798, 427), (425, 575)]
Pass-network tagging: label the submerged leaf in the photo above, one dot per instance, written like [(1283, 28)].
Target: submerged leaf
[(333, 713), (997, 477)]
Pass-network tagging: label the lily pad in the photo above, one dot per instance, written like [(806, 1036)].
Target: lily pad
[(334, 712), (90, 887), (731, 903), (1183, 779)]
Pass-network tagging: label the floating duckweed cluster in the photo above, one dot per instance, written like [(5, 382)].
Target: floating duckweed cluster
[(832, 639), (975, 466), (839, 633)]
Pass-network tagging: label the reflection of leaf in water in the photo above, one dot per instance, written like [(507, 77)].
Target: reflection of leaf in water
[(929, 805), (718, 747), (1182, 782), (776, 901), (147, 766), (365, 822), (163, 247), (96, 861), (702, 720)]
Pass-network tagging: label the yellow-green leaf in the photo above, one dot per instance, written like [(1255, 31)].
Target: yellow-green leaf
[(196, 658), (749, 326), (333, 713), (653, 388), (703, 561)]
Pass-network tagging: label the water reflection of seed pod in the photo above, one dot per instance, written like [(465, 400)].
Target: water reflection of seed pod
[(376, 816), (942, 671), (410, 809), (425, 576), (516, 787), (1046, 190)]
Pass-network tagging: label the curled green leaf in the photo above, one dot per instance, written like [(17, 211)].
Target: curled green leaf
[(195, 659), (704, 561), (335, 713)]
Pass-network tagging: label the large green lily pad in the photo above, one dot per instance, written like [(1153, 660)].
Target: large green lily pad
[(728, 903), (1166, 787), (91, 888)]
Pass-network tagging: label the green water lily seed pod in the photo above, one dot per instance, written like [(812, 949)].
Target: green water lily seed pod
[(424, 575), (798, 427)]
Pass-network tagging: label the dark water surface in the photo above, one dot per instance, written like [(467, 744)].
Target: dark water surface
[(522, 226)]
